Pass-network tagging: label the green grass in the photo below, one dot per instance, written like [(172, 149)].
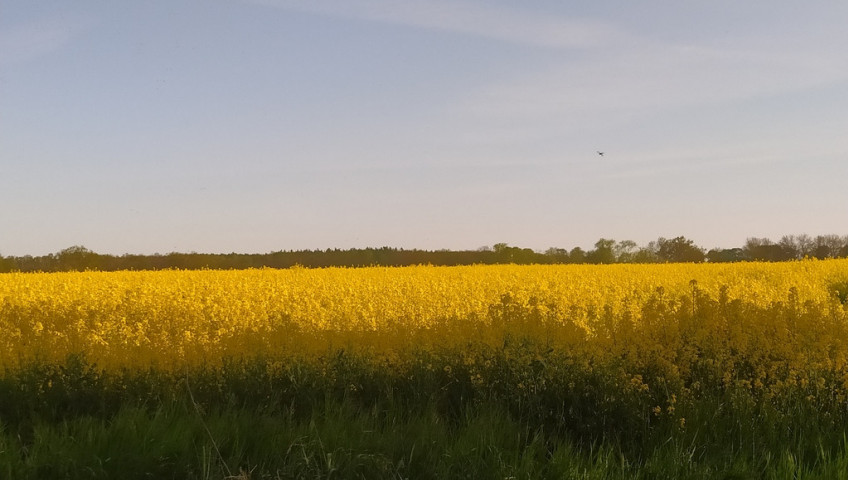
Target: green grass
[(348, 418), (342, 441)]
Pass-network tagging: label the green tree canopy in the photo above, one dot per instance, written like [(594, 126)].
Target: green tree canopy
[(679, 250)]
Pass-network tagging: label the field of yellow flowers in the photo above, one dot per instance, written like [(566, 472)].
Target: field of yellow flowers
[(595, 351), (174, 319)]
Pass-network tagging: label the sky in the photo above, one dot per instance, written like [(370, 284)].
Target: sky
[(254, 126)]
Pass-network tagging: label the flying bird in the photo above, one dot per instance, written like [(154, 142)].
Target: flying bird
[(601, 153)]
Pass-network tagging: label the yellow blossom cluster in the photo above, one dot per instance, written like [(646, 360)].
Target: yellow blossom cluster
[(673, 317)]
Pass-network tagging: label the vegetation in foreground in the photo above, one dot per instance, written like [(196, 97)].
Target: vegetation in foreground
[(346, 420), (483, 372)]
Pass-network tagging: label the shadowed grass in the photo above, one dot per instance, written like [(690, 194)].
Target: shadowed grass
[(343, 441)]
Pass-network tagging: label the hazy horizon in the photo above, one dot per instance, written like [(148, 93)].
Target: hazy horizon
[(651, 244)]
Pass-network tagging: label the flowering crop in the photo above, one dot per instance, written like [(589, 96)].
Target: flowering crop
[(590, 349), (173, 319), (709, 363)]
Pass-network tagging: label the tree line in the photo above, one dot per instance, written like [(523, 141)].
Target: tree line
[(605, 251)]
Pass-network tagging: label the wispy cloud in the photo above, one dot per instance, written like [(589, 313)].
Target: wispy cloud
[(25, 42), (490, 21), (624, 77), (613, 95), (650, 77)]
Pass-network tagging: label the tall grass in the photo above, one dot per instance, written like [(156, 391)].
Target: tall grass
[(342, 441), (346, 418)]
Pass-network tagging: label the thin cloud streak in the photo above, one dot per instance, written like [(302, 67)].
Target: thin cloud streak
[(653, 77), (26, 42), (509, 25)]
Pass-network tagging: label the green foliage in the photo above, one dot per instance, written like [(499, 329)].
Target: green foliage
[(679, 250), (343, 440), (603, 253), (840, 290)]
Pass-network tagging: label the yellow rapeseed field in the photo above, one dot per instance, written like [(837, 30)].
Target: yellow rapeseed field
[(174, 319)]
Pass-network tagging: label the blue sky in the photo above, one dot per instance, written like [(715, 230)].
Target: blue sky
[(255, 126)]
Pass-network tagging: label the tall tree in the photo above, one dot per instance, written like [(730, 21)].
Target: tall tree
[(577, 255), (765, 250), (679, 249), (624, 251), (603, 252)]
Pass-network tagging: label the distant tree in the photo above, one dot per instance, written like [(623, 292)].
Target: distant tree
[(527, 256), (603, 252), (791, 248), (76, 257), (805, 245), (827, 246), (679, 249), (727, 255), (647, 254), (577, 255), (624, 251), (794, 246), (506, 254), (6, 265), (557, 255), (764, 250)]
